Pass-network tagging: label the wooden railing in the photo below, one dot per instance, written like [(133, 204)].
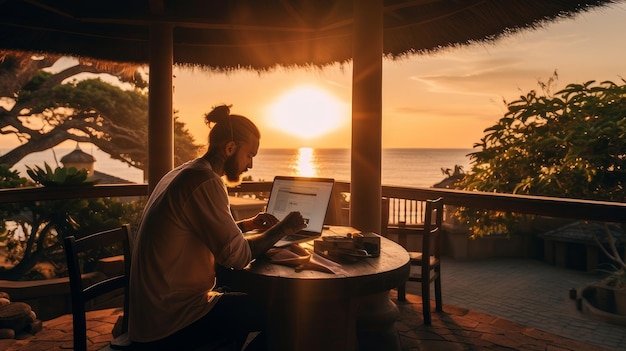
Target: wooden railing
[(604, 211), (16, 195), (400, 197), (407, 199)]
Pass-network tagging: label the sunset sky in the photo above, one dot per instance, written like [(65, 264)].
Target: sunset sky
[(444, 100)]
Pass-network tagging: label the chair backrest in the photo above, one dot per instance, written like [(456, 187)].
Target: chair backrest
[(83, 290), (433, 218)]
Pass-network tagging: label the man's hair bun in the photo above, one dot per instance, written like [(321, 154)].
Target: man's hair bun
[(219, 114)]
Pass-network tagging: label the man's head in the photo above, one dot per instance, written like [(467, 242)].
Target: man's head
[(233, 143)]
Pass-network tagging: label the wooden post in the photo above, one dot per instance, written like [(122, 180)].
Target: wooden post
[(160, 106), (365, 189)]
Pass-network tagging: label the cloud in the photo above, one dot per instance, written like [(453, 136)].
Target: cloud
[(486, 79), (439, 112), (336, 84)]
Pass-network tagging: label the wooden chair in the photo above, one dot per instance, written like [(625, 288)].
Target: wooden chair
[(428, 259), (83, 291)]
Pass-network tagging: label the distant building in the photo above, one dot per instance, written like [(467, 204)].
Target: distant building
[(82, 160)]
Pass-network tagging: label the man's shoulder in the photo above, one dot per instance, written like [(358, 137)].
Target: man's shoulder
[(195, 173)]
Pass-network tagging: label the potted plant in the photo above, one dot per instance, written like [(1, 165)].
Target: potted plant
[(60, 176), (616, 279)]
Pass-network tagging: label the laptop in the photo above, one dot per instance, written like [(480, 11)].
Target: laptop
[(309, 196)]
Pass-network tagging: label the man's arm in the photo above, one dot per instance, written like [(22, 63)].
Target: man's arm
[(260, 243)]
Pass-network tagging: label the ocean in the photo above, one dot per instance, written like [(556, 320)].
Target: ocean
[(403, 167)]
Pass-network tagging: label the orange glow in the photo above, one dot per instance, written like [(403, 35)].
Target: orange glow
[(307, 112), (306, 164)]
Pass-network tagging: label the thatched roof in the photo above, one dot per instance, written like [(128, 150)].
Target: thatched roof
[(258, 34)]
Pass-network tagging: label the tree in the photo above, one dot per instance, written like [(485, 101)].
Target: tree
[(51, 107), (567, 144), (43, 108)]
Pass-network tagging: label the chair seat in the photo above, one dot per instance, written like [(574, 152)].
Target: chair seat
[(416, 258), (416, 276)]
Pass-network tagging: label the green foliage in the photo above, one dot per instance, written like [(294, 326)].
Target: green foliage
[(44, 224), (60, 176), (33, 231), (571, 144), (38, 79), (98, 98), (185, 147), (10, 178)]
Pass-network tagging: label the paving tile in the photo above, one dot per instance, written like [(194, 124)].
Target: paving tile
[(442, 345)]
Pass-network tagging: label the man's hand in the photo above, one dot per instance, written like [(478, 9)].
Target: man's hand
[(261, 221), (261, 242), (292, 223)]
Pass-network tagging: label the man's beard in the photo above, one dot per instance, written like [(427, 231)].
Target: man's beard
[(231, 171)]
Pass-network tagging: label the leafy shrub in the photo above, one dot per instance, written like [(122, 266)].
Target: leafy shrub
[(568, 144)]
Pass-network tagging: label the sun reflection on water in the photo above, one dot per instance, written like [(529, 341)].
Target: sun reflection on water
[(305, 164)]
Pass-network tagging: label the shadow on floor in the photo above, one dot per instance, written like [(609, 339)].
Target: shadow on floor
[(462, 329)]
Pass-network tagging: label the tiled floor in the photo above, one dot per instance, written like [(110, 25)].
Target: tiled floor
[(488, 305), (528, 292)]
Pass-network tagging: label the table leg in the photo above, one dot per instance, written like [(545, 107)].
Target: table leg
[(375, 323), (314, 326)]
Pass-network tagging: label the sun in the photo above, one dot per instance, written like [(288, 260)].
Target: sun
[(307, 112)]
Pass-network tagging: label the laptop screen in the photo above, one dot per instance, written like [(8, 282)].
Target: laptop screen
[(309, 196)]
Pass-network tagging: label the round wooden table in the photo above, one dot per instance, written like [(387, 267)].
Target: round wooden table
[(313, 310)]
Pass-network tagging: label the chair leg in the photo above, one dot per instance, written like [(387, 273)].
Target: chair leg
[(402, 292), (426, 302), (438, 300)]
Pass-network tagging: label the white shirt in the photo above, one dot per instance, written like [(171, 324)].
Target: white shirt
[(186, 228)]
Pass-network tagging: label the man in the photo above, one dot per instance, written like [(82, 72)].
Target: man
[(186, 230)]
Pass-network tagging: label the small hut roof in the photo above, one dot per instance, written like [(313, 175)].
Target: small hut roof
[(105, 178), (78, 156)]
